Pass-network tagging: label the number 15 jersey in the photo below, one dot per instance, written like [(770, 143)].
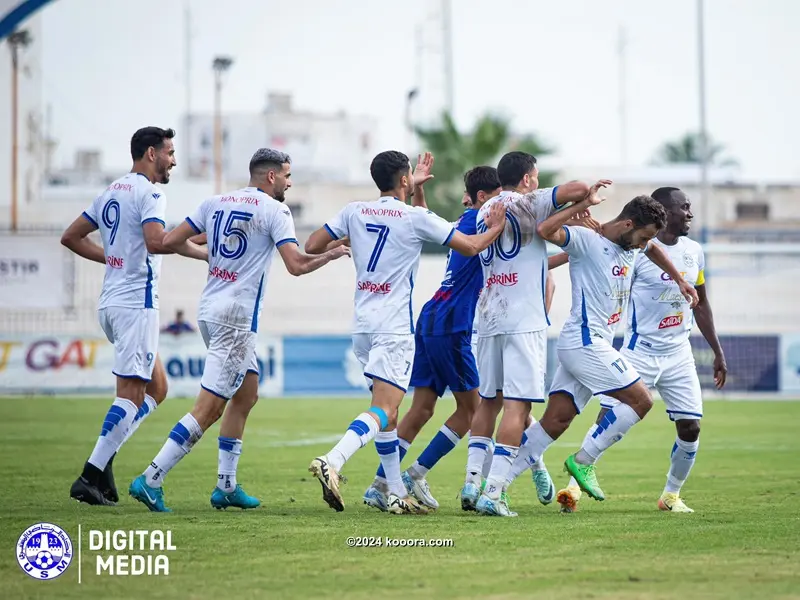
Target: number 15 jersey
[(386, 239), (244, 228)]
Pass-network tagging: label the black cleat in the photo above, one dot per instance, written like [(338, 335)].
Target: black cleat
[(107, 485), (83, 491)]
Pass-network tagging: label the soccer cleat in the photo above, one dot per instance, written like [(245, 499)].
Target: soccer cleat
[(405, 506), (107, 485), (238, 498), (83, 491), (469, 496), (494, 508), (420, 490), (329, 480), (152, 498), (585, 476), (568, 498), (545, 489), (376, 498), (672, 502)]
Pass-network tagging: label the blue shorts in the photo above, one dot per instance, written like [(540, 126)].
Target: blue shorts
[(444, 361)]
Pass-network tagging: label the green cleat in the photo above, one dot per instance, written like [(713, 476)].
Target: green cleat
[(585, 476)]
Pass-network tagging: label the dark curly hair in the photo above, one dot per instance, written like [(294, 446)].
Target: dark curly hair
[(387, 167), (644, 211)]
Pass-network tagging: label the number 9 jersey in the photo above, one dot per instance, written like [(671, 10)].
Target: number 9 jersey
[(244, 228)]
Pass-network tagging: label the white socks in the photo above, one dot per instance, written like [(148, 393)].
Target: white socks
[(182, 439), (681, 463), (117, 421)]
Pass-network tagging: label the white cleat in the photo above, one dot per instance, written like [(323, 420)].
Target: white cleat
[(405, 506), (494, 508), (420, 490), (545, 490), (376, 498), (672, 502), (329, 479)]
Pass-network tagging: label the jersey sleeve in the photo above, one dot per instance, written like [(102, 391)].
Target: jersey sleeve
[(578, 240), (701, 264), (339, 226), (430, 227), (283, 227), (198, 219), (543, 202), (468, 223), (154, 208), (90, 214)]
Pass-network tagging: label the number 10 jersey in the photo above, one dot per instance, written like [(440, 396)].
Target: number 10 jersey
[(244, 229)]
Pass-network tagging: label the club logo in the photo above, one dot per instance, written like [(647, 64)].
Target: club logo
[(44, 551)]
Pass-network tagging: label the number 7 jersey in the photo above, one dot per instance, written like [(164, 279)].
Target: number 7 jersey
[(386, 238), (244, 229)]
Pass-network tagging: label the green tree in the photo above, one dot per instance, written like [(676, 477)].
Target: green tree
[(688, 149), (455, 153)]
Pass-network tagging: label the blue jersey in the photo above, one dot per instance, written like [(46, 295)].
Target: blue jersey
[(452, 308)]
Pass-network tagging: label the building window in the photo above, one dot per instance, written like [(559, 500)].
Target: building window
[(752, 211)]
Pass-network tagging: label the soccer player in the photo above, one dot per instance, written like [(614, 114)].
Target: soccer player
[(656, 344), (386, 237), (130, 215), (601, 269), (443, 356), (244, 229), (512, 325)]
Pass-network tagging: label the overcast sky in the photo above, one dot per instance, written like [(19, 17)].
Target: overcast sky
[(113, 66)]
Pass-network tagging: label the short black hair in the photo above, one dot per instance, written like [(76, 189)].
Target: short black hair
[(644, 211), (481, 179), (146, 137), (268, 157), (386, 167), (663, 196), (514, 166)]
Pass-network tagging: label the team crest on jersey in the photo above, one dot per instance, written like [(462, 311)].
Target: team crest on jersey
[(688, 260), (44, 551)]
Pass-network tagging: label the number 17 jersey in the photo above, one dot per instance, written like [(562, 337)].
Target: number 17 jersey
[(386, 238), (244, 229)]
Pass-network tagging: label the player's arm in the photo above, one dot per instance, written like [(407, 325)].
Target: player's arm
[(298, 263), (574, 192), (178, 241), (422, 174), (472, 245), (705, 321), (557, 260), (549, 291), (335, 230), (75, 238), (662, 261)]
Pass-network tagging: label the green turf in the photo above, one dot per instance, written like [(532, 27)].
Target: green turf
[(742, 542)]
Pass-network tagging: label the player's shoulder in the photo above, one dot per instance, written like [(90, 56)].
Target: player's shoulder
[(692, 245)]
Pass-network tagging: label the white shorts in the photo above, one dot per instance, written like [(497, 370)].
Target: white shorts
[(385, 357), (590, 371), (134, 333), (513, 363), (231, 353), (675, 378)]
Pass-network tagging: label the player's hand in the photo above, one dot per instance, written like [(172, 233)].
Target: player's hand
[(422, 172), (585, 219), (688, 292), (339, 252), (720, 371), (466, 201), (496, 216), (593, 198)]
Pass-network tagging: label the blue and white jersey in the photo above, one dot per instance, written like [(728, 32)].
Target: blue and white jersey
[(386, 238), (120, 212), (244, 229), (452, 308)]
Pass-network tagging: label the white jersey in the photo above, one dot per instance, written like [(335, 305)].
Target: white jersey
[(120, 212), (659, 319), (244, 229), (515, 266), (601, 273), (386, 238)]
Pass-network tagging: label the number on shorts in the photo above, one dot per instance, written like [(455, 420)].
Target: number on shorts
[(408, 366), (383, 233), (229, 231), (110, 218), (487, 256), (620, 365)]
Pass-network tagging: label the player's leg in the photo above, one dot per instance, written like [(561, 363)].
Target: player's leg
[(569, 497), (228, 356), (129, 331), (228, 492), (679, 386), (601, 368), (454, 364), (420, 412), (480, 450)]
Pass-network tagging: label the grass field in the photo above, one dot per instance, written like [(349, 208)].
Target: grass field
[(743, 541)]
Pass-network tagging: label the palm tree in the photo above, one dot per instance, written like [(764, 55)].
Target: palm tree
[(456, 152), (688, 149)]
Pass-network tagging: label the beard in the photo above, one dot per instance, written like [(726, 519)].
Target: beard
[(625, 241)]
